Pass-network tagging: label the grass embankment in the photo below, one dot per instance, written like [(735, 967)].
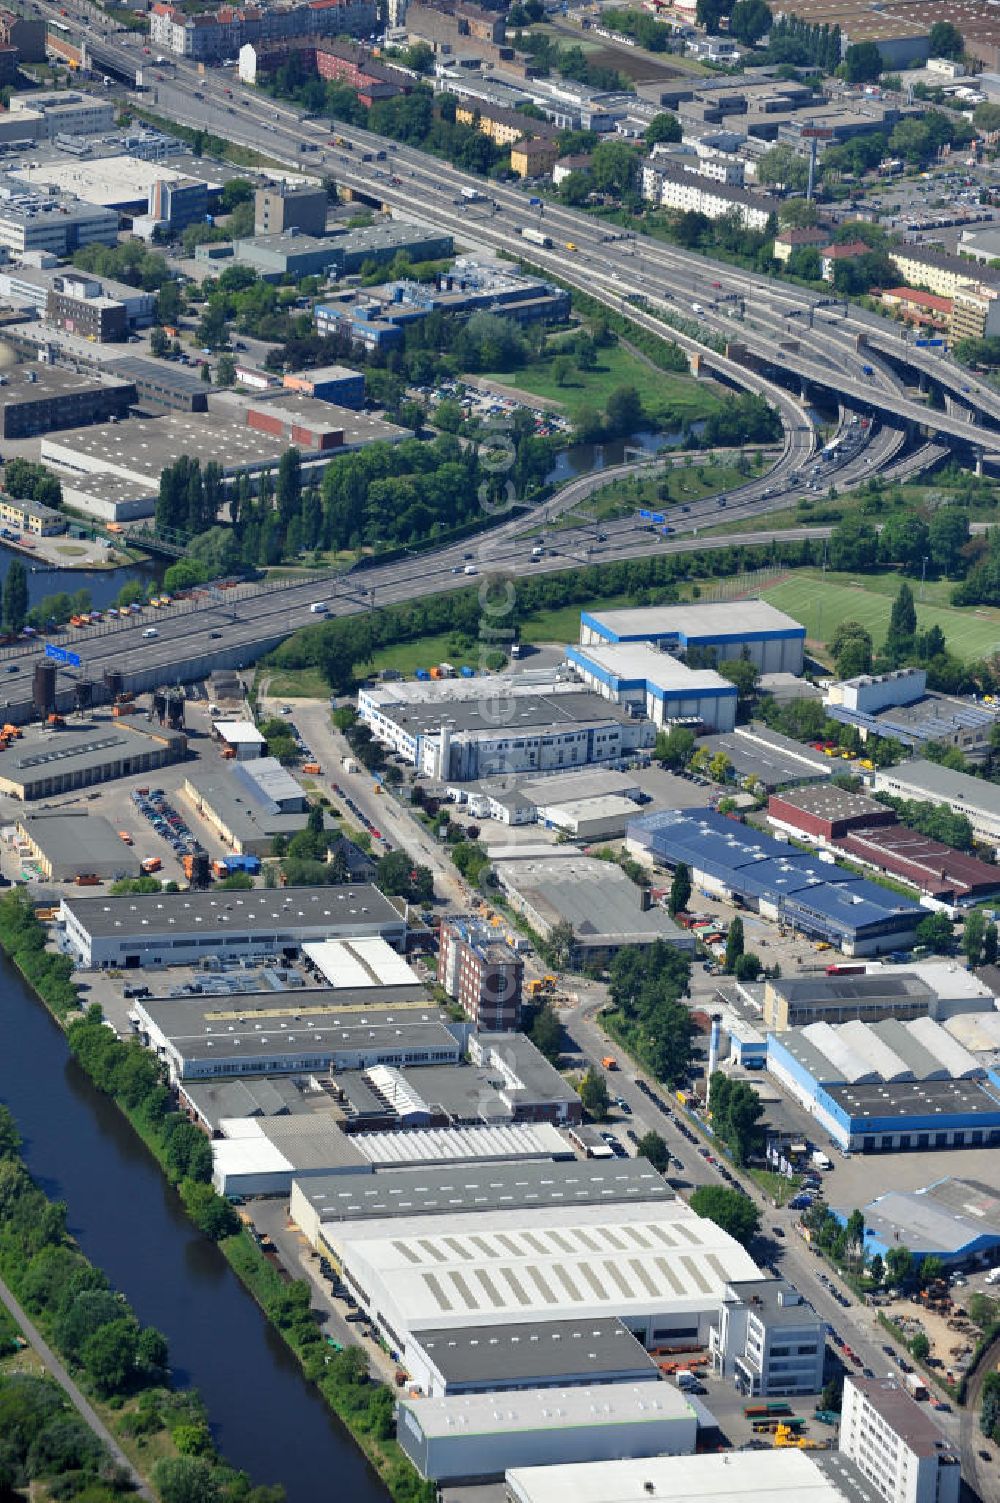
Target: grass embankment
[(822, 601), (132, 1077), (667, 397)]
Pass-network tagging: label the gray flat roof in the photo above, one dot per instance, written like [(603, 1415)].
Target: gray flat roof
[(745, 618), (874, 986), (937, 1099), (145, 446), (827, 801), (202, 1024), (946, 1217), (775, 759), (288, 909), (78, 838), (76, 748), (475, 716), (446, 1188), (539, 1350), (596, 897), (904, 1416), (246, 819), (933, 781)]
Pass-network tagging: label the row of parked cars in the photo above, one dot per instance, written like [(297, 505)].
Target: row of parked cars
[(153, 804)]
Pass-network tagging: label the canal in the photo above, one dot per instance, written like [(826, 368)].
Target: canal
[(265, 1418)]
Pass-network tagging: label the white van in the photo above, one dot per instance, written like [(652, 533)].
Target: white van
[(151, 632), (470, 569), (319, 607), (686, 1379)]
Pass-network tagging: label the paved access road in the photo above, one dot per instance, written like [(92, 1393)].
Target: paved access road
[(55, 1369)]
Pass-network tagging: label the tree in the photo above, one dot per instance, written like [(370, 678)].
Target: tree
[(973, 934), (990, 944), (734, 944), (663, 127), (749, 21), (546, 1033), (562, 371), (680, 890), (947, 536), (876, 1269), (736, 1112), (594, 1095), (625, 415), (920, 1347), (210, 1213), (902, 625), (935, 932), (853, 545), (899, 1265), (709, 13), (159, 343), (862, 62), (109, 1355), (851, 646), (646, 984), (781, 167), (560, 944), (186, 1479), (225, 370), (652, 1146), (674, 747), (730, 1209), (748, 966), (931, 1269), (15, 596), (743, 673), (945, 40)]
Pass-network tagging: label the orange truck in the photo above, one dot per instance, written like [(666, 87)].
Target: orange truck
[(609, 1062), (151, 864)]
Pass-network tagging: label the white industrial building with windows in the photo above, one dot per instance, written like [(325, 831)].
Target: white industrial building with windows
[(462, 729), (769, 1340)]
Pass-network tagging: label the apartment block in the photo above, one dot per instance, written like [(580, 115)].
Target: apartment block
[(894, 1442)]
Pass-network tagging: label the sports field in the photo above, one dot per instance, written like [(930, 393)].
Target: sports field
[(821, 602)]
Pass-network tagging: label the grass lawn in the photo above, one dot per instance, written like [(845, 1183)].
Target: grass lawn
[(683, 396), (821, 603), (295, 683)]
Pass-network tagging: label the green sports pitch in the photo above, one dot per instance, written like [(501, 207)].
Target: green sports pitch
[(822, 602)]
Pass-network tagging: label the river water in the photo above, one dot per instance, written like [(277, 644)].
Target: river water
[(265, 1417), (103, 584)]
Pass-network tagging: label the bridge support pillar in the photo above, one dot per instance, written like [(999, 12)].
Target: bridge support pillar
[(922, 381), (978, 456)]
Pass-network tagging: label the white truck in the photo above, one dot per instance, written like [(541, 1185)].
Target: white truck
[(820, 1160), (993, 1277), (319, 607), (537, 237)]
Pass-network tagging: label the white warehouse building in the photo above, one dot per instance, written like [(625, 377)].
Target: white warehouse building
[(657, 685), (658, 1267), (730, 629), (159, 929), (476, 1436)]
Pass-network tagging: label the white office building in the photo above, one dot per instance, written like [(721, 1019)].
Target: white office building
[(769, 1340), (896, 1445), (693, 193)]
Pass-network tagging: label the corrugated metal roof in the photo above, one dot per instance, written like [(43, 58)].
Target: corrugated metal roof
[(850, 1065), (960, 1064)]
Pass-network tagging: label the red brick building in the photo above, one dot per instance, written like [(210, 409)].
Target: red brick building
[(823, 812), (482, 974)]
